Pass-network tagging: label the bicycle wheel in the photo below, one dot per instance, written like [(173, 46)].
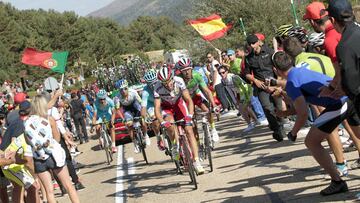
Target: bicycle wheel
[(208, 145), (106, 146), (142, 145), (109, 147), (187, 158)]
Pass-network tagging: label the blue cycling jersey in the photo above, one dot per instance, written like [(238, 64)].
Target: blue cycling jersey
[(147, 97), (304, 82), (106, 110)]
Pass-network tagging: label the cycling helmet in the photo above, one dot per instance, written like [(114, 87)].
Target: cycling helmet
[(316, 39), (121, 84), (283, 30), (184, 63), (165, 74), (300, 33), (150, 76), (101, 94)]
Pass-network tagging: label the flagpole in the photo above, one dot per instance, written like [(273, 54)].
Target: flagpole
[(242, 26), (61, 81), (294, 12)]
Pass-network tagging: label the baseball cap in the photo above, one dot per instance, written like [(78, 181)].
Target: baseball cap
[(24, 107), (340, 9), (19, 97), (252, 39), (315, 11), (230, 52), (260, 36)]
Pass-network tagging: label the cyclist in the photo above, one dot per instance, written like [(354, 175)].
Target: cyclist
[(147, 106), (196, 86), (130, 101), (172, 96), (104, 107)]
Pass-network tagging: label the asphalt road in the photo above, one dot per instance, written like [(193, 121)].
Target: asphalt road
[(247, 168)]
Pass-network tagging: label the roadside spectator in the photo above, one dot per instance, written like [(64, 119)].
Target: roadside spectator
[(348, 49), (216, 81), (259, 63), (47, 158), (77, 110)]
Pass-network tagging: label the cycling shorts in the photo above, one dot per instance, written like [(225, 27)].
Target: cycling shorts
[(134, 110), (150, 112), (199, 98), (178, 110), (333, 115)]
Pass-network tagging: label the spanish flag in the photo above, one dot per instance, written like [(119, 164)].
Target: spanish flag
[(211, 27)]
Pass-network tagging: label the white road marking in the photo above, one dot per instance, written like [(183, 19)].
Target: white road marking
[(130, 166), (119, 195)]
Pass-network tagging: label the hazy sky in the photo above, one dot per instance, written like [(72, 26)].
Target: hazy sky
[(81, 7)]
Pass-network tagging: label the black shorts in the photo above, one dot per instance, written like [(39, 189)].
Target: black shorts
[(45, 165), (333, 115)]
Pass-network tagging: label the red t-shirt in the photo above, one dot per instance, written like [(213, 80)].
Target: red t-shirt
[(332, 38)]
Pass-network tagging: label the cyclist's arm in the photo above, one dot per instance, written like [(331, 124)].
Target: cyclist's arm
[(209, 95), (157, 105), (95, 115), (187, 98), (144, 103), (113, 115)]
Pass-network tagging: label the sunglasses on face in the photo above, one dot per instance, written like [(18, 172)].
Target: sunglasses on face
[(222, 72), (102, 99), (223, 55)]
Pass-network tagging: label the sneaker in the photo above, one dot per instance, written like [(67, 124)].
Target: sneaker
[(225, 112), (198, 168), (161, 145), (113, 149), (77, 171), (355, 164), (341, 169), (334, 188), (79, 186), (288, 126), (278, 136), (250, 127), (147, 140), (175, 152), (263, 122), (215, 135)]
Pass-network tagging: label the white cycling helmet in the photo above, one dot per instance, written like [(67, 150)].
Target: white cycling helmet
[(316, 39)]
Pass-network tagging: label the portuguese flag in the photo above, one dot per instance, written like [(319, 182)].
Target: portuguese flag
[(211, 27), (55, 61)]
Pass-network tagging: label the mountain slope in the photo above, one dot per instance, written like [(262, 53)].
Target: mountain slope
[(125, 11)]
